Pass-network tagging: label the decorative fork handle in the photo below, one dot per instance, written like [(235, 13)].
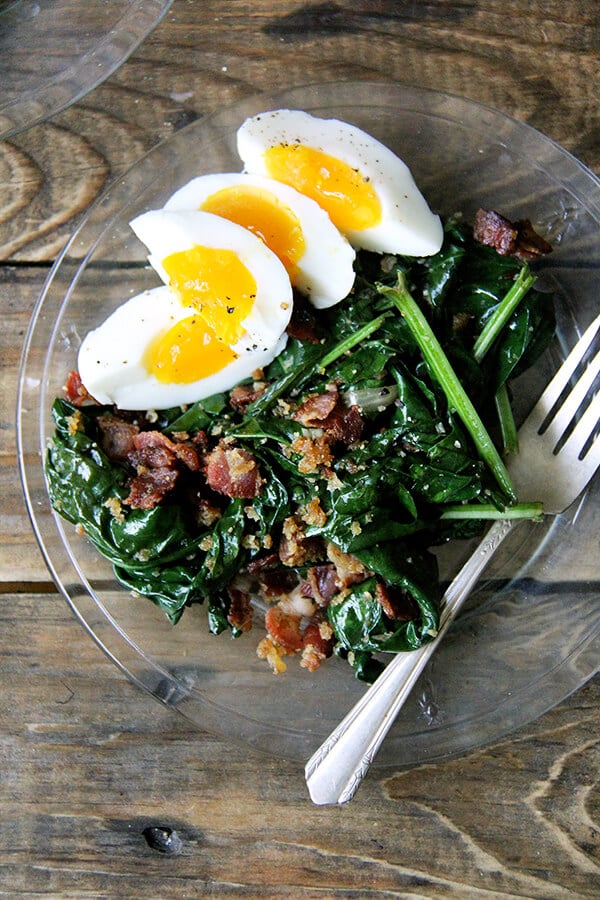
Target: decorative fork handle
[(335, 771)]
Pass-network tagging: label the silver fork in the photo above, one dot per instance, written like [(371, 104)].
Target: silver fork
[(559, 475)]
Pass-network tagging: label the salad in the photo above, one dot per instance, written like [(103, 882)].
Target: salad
[(297, 439)]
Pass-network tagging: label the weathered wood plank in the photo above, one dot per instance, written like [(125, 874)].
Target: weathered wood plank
[(89, 763), (542, 69)]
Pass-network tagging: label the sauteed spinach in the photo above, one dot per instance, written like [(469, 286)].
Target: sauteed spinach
[(418, 475)]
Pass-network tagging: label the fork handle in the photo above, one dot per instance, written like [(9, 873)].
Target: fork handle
[(335, 771)]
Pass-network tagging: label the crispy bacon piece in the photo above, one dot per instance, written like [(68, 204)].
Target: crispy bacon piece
[(233, 471), (328, 412), (345, 424), (396, 604), (150, 487), (200, 441), (530, 244), (316, 408), (321, 583), (117, 436), (318, 640), (240, 610), (284, 628), (493, 230), (275, 583), (509, 238), (158, 460), (295, 548), (153, 449), (349, 569), (75, 391), (243, 395), (263, 563)]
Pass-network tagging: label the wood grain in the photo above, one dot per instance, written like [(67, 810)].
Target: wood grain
[(88, 761), (542, 68)]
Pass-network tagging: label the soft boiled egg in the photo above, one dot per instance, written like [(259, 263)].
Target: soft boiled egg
[(368, 192), (221, 316), (318, 259)]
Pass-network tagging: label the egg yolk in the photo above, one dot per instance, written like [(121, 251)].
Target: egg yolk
[(187, 352), (215, 282), (262, 213), (338, 188)]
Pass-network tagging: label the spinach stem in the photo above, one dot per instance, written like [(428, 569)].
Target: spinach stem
[(352, 340), (489, 511), (508, 429), (449, 382), (503, 311)]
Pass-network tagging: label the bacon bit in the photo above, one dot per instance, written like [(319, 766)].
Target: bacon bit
[(320, 634), (273, 654), (188, 455), (345, 424), (396, 604), (243, 395), (263, 563), (284, 629), (316, 408), (233, 471), (200, 441), (509, 238), (117, 436), (493, 230), (148, 488), (349, 569), (295, 548), (240, 610), (154, 450), (273, 584), (318, 640), (328, 412), (530, 244), (321, 583), (75, 391), (156, 458), (312, 453)]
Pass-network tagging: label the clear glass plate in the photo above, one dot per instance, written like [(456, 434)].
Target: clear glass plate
[(53, 52), (530, 633)]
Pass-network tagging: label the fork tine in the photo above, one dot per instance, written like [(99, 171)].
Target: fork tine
[(565, 414), (581, 434), (562, 377)]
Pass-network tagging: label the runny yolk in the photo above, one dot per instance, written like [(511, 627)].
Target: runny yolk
[(215, 282), (187, 352), (262, 213), (338, 188)]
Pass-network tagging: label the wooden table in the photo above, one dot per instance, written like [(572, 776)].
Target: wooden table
[(89, 762)]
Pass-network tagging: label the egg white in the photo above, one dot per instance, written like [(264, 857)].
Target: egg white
[(407, 224), (111, 358)]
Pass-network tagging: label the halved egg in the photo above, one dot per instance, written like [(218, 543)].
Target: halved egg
[(318, 259), (221, 317), (368, 192)]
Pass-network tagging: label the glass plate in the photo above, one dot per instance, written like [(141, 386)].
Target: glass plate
[(52, 52), (529, 635)]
